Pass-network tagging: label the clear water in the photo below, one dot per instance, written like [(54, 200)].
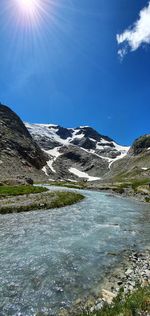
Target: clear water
[(50, 258)]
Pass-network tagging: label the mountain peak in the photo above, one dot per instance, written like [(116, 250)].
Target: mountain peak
[(81, 147)]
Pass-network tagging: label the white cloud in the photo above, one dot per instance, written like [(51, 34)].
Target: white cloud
[(136, 35)]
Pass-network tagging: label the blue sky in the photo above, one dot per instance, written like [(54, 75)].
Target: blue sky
[(65, 69)]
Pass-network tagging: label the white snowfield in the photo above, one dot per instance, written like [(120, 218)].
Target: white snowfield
[(45, 130), (50, 131), (81, 174)]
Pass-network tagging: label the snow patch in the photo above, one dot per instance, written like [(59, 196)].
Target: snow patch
[(45, 170), (82, 174), (92, 139), (76, 135), (122, 149), (53, 152), (50, 164), (92, 151), (70, 180), (117, 158)]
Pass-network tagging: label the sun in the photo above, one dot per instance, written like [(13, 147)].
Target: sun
[(28, 7), (30, 15), (27, 4)]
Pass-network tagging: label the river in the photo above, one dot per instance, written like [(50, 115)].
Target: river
[(48, 259)]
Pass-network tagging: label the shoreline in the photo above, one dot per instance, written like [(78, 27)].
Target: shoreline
[(130, 273), (114, 189), (111, 192)]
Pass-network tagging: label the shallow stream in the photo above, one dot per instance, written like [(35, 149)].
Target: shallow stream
[(48, 259)]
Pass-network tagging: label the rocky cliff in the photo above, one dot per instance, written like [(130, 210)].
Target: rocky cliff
[(19, 153), (140, 145)]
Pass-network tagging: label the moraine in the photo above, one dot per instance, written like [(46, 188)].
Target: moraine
[(49, 259)]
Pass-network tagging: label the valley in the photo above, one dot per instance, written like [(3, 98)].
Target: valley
[(67, 196)]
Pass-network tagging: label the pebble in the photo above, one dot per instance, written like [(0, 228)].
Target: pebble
[(129, 271)]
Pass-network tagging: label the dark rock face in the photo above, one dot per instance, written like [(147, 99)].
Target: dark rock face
[(45, 143), (64, 133), (89, 132), (86, 143), (140, 145), (16, 144)]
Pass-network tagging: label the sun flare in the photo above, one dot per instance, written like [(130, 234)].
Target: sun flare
[(28, 7)]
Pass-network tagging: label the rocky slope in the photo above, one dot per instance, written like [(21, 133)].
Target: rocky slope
[(136, 164), (19, 153), (76, 153)]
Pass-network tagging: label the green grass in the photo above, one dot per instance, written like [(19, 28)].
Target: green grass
[(137, 183), (147, 199), (74, 185), (47, 201), (134, 184), (6, 191), (130, 305), (66, 198)]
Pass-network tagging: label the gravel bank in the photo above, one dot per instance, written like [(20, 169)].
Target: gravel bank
[(133, 272)]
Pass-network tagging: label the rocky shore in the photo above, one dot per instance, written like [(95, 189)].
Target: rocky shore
[(126, 193), (132, 273)]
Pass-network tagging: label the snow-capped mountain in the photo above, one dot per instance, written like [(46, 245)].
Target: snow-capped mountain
[(76, 152), (42, 152)]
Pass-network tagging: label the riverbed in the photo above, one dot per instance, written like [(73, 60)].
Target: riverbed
[(50, 258)]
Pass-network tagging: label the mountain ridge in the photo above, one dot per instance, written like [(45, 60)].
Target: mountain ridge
[(81, 148)]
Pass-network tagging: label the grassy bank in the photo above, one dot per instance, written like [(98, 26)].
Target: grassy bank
[(6, 191), (47, 200), (68, 184), (137, 188), (134, 304), (135, 184), (140, 189)]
